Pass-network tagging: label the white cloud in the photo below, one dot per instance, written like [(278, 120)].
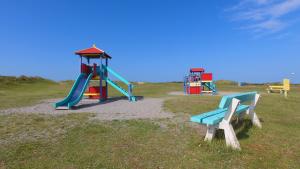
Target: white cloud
[(264, 16)]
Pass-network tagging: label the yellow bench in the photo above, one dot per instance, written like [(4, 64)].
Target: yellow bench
[(282, 89)]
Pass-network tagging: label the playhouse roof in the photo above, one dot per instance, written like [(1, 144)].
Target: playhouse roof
[(92, 52), (197, 70)]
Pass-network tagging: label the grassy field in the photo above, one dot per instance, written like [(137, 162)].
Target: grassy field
[(16, 92), (75, 141)]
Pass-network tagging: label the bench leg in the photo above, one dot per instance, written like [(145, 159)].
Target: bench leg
[(252, 114), (254, 119), (285, 93), (230, 137), (210, 133)]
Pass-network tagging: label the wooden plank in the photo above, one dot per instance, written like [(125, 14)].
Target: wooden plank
[(205, 91), (91, 94), (215, 116), (200, 117)]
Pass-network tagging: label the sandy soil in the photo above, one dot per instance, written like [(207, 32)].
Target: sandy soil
[(113, 109)]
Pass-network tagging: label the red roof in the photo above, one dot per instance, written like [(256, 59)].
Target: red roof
[(196, 70), (92, 52)]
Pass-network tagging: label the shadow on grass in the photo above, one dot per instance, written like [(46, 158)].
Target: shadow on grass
[(240, 127)]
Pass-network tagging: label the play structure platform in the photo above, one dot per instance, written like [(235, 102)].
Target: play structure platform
[(284, 88), (97, 73), (199, 82)]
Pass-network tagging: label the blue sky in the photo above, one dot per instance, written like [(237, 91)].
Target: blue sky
[(153, 40)]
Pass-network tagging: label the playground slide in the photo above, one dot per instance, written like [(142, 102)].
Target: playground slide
[(117, 87), (76, 92)]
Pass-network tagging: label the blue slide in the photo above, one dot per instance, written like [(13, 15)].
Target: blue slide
[(76, 92)]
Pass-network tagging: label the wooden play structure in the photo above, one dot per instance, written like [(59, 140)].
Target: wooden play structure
[(235, 105), (284, 88), (94, 70), (199, 82)]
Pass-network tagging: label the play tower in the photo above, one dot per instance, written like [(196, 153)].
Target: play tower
[(199, 82), (93, 80)]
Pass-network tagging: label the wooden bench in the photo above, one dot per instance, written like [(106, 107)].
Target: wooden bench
[(230, 106), (284, 88)]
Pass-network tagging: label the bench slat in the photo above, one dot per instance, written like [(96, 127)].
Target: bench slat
[(198, 118), (215, 116), (212, 120)]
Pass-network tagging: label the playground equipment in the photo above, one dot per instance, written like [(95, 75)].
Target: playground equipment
[(198, 82), (285, 88), (97, 73)]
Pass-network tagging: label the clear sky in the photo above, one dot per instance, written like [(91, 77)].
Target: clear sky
[(153, 40)]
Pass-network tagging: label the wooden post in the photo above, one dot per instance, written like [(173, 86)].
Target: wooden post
[(285, 93), (100, 80), (106, 74), (80, 64)]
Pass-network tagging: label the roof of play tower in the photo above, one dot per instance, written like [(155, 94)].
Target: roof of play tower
[(92, 52)]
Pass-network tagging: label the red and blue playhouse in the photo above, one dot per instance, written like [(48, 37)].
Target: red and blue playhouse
[(94, 71), (199, 82)]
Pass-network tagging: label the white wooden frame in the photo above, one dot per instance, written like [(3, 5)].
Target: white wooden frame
[(225, 124)]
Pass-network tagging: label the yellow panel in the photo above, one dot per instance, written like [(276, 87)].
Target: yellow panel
[(195, 84), (286, 84), (274, 87), (91, 94)]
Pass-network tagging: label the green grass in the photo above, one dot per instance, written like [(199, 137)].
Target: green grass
[(276, 145), (76, 141), (22, 91)]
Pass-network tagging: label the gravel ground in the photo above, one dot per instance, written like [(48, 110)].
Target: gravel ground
[(113, 109)]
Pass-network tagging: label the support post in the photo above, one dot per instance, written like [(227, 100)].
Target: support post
[(100, 81), (252, 114), (285, 93), (230, 137), (80, 64), (210, 132), (106, 74)]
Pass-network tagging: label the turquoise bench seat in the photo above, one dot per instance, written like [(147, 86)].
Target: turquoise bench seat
[(215, 116)]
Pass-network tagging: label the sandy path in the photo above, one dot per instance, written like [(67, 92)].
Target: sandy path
[(120, 109)]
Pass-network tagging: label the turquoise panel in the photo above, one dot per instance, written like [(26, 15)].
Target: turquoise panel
[(215, 116), (243, 97), (200, 117)]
